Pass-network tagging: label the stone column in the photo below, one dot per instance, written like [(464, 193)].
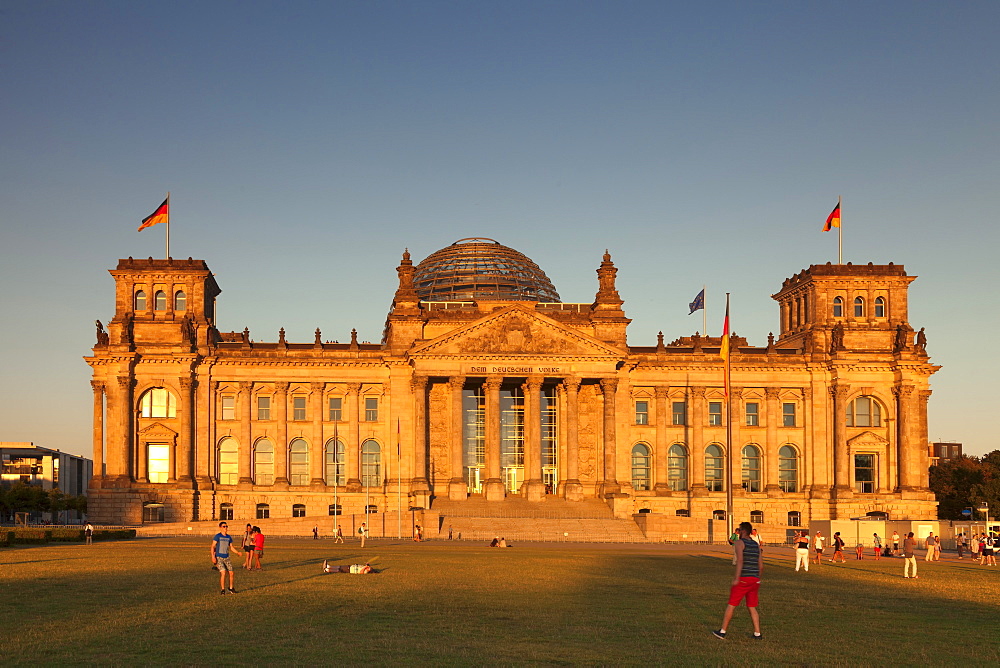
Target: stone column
[(922, 479), (281, 438), (316, 455), (534, 488), (573, 489), (419, 484), (772, 415), (912, 453), (98, 387), (121, 467), (204, 429), (493, 487), (735, 459), (457, 486), (841, 457), (183, 467), (609, 386), (246, 436), (806, 467), (352, 447), (662, 486), (697, 445)]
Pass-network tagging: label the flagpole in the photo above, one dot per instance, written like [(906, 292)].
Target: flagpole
[(336, 471), (729, 427), (840, 233), (168, 225), (399, 487), (704, 311)]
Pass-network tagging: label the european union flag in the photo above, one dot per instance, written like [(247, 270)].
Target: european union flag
[(698, 303)]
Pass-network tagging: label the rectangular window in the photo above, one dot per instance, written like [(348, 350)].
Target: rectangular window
[(371, 409), (753, 414), (715, 413), (336, 405), (263, 408), (680, 413), (229, 408), (159, 462), (788, 415), (298, 408), (642, 412), (864, 474)]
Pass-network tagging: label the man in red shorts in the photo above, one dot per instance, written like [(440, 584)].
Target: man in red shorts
[(746, 581)]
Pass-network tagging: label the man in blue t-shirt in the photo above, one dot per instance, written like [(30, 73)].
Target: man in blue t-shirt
[(222, 543)]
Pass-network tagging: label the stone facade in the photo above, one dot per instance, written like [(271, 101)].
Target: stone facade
[(494, 398)]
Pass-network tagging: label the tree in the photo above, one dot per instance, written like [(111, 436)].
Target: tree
[(966, 482)]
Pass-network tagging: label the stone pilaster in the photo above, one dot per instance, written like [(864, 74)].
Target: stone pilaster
[(609, 388), (316, 481), (98, 435), (352, 448), (246, 436)]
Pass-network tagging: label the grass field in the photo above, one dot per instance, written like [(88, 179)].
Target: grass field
[(156, 601)]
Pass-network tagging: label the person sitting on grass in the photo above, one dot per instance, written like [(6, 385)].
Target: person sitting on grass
[(355, 569)]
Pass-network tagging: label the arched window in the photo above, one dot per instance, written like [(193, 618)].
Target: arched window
[(794, 518), (677, 467), (756, 516), (158, 462), (859, 307), (683, 512), (334, 509), (140, 300), (263, 463), (751, 468), (157, 402), (298, 462), (160, 301), (229, 462), (226, 511), (713, 468), (788, 468), (333, 463), (640, 467), (298, 510), (371, 464), (880, 307), (263, 511), (180, 301), (864, 412), (838, 307)]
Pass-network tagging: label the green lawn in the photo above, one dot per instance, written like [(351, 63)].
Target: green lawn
[(156, 601)]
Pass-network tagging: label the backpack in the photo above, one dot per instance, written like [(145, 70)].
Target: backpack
[(361, 530)]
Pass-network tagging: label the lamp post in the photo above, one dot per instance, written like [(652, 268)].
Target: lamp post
[(985, 509)]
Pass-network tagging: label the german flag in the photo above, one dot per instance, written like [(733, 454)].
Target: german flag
[(833, 220), (161, 215)]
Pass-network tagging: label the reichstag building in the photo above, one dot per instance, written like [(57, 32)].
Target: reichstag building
[(486, 385)]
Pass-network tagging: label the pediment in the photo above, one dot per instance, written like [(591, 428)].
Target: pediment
[(867, 439), (158, 430), (516, 330)]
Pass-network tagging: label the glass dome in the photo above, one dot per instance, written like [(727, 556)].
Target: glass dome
[(480, 268)]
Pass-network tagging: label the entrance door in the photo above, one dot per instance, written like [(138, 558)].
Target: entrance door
[(475, 480), (550, 476), (513, 477)]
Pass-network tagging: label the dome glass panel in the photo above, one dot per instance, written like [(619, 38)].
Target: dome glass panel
[(479, 268)]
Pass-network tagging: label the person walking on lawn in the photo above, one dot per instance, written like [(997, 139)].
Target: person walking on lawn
[(222, 544), (746, 581)]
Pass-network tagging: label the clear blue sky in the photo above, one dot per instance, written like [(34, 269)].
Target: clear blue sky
[(306, 144)]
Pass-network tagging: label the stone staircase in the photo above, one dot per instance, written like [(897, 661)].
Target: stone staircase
[(518, 520)]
